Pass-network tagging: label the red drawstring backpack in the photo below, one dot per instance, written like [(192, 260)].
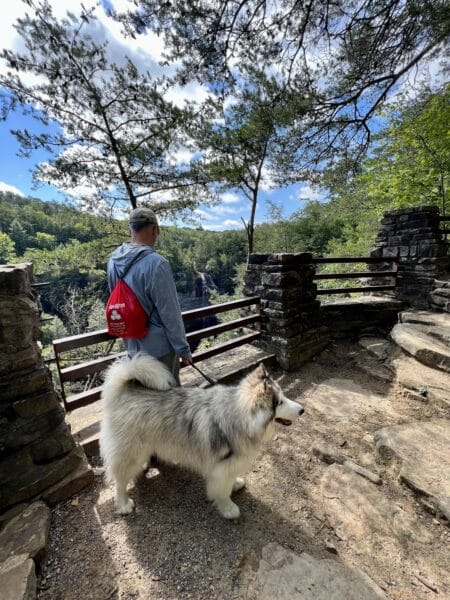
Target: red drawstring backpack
[(124, 314)]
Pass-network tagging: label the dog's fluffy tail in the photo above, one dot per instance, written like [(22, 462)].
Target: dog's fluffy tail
[(150, 372)]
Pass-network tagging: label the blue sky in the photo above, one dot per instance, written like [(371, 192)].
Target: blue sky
[(146, 52), (16, 176), (16, 171)]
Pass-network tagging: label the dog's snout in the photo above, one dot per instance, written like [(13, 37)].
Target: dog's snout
[(301, 411)]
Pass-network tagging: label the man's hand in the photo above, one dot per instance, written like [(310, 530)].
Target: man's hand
[(187, 360)]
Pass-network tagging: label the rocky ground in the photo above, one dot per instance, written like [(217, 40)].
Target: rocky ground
[(308, 528)]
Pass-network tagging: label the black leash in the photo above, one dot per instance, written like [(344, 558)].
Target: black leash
[(209, 379)]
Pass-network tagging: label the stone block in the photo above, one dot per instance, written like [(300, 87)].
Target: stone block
[(12, 361), (287, 331), (277, 268), (18, 310), (390, 251), (283, 575), (18, 578), (12, 464), (258, 258), (52, 446), (25, 383), (252, 278), (18, 336), (429, 249), (23, 485), (27, 533), (254, 290), (432, 209), (280, 295), (435, 237), (413, 250), (422, 449), (291, 279), (436, 261), (36, 405), (291, 361), (297, 258), (16, 279), (70, 485), (279, 318), (20, 432)]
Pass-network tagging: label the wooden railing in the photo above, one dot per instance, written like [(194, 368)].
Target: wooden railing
[(91, 368), (357, 275)]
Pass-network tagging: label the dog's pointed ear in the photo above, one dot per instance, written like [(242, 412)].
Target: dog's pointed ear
[(261, 371)]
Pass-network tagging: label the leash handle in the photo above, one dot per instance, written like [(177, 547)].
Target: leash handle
[(207, 377)]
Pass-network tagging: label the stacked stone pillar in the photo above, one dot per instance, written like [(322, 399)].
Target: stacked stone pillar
[(38, 455), (413, 236), (290, 325)]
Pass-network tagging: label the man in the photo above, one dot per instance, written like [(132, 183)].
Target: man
[(150, 277)]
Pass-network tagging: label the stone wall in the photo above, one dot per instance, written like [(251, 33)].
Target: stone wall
[(413, 236), (38, 455), (295, 326), (368, 315), (290, 325)]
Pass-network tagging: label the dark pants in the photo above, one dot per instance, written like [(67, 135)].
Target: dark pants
[(172, 361)]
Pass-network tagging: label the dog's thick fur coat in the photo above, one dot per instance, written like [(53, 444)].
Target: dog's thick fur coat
[(216, 432)]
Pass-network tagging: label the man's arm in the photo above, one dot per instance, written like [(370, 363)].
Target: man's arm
[(164, 297)]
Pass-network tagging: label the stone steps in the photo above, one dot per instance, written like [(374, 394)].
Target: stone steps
[(425, 336), (422, 361), (421, 447), (439, 296), (433, 385)]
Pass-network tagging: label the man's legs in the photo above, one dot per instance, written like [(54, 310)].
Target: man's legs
[(172, 361)]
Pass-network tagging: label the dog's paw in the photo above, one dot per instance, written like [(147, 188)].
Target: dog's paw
[(125, 509), (238, 484), (230, 510)]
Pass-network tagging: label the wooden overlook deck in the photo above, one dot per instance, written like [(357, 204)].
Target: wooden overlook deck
[(223, 362)]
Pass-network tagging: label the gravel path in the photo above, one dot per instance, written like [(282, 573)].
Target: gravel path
[(176, 546)]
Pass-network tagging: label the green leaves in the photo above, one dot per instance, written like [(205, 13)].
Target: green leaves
[(411, 162), (116, 128)]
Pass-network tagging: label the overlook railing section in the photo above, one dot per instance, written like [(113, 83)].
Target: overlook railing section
[(88, 370), (372, 274)]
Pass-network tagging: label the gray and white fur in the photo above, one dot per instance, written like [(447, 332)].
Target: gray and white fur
[(216, 432)]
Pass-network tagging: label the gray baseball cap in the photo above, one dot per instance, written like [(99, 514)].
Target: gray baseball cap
[(143, 216)]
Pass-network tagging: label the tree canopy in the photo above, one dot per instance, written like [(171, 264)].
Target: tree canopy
[(342, 58), (410, 163), (116, 131), (240, 144)]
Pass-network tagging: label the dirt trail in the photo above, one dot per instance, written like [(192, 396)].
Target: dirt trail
[(176, 546)]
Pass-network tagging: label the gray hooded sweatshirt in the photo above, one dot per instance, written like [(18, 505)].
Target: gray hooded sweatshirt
[(150, 277)]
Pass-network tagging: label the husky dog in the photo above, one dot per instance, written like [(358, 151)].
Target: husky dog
[(216, 432)]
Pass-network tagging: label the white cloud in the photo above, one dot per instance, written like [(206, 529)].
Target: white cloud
[(428, 74), (144, 50), (309, 193), (223, 210), (191, 92), (267, 183), (6, 187), (182, 156), (227, 224), (230, 198), (202, 214)]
